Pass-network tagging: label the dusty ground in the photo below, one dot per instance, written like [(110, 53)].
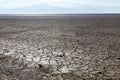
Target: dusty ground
[(82, 47)]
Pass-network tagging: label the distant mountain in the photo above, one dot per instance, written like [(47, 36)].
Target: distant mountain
[(43, 8), (40, 9)]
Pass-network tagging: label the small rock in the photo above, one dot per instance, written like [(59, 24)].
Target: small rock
[(118, 58), (96, 72), (99, 73), (23, 26), (40, 65), (68, 53), (80, 50), (85, 67), (60, 55)]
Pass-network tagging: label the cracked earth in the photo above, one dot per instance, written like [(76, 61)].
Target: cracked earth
[(60, 48)]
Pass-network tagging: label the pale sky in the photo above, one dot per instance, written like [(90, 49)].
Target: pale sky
[(58, 6)]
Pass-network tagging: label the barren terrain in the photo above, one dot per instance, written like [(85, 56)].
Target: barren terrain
[(60, 47)]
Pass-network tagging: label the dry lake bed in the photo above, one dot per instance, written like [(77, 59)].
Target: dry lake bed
[(60, 47)]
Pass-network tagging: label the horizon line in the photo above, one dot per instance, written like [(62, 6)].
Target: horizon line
[(58, 14)]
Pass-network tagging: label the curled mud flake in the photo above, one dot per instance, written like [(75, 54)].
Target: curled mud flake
[(45, 62), (6, 50), (114, 46), (64, 69), (36, 59), (10, 52), (29, 57), (45, 77)]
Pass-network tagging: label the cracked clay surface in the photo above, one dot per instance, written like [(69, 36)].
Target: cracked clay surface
[(60, 48)]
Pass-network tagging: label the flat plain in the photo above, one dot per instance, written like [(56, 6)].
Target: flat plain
[(60, 47)]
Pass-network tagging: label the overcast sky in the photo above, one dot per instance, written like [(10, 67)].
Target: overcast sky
[(58, 6)]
